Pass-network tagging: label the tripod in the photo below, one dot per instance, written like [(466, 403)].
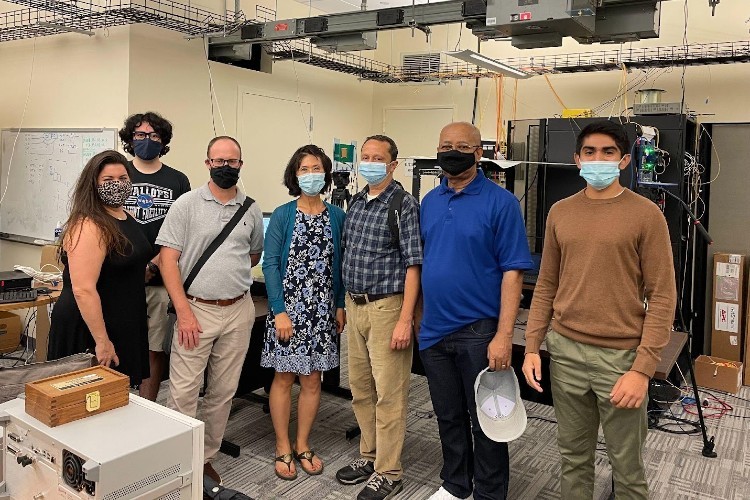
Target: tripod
[(708, 444)]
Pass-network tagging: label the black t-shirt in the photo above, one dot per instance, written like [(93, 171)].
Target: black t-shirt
[(153, 195)]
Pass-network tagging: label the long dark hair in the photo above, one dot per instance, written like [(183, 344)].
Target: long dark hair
[(86, 204)]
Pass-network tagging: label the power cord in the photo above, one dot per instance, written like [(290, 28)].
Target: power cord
[(51, 278)]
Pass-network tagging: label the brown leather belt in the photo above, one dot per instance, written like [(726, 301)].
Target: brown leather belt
[(217, 302), (363, 298)]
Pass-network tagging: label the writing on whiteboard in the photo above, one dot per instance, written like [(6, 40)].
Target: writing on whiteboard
[(45, 168)]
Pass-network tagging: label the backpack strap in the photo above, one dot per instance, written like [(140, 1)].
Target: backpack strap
[(395, 207)]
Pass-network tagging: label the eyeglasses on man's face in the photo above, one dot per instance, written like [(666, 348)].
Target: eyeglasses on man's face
[(220, 162), (463, 148), (139, 136)]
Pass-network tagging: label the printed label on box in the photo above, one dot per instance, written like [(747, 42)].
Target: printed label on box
[(727, 317), (734, 259), (727, 288), (730, 270)]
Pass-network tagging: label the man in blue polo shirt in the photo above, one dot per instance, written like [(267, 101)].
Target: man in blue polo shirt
[(475, 251)]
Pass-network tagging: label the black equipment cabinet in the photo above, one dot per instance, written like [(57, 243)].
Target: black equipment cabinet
[(553, 140)]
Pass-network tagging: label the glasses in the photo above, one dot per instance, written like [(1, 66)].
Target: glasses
[(464, 148), (220, 162), (139, 136)]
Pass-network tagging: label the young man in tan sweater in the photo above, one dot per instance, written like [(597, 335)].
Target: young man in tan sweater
[(606, 292)]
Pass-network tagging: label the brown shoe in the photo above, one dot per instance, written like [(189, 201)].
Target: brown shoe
[(208, 470)]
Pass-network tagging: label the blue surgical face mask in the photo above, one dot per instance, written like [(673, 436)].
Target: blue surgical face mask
[(600, 174), (373, 172), (311, 184)]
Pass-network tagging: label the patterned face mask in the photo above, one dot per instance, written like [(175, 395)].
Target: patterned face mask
[(114, 193)]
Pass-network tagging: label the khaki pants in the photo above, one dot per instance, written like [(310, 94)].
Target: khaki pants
[(582, 378), (379, 380), (158, 321), (222, 348)]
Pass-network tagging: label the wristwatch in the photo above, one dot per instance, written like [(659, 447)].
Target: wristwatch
[(152, 267)]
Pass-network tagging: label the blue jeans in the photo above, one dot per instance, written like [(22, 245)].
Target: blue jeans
[(452, 366)]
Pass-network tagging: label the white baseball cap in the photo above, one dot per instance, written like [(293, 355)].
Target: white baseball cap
[(500, 409)]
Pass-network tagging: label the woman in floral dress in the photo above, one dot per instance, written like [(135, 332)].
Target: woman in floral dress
[(302, 270)]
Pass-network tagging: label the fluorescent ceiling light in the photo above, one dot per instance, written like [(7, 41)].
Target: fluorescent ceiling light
[(62, 27), (485, 62)]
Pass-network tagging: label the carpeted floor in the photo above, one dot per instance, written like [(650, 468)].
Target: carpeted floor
[(675, 467)]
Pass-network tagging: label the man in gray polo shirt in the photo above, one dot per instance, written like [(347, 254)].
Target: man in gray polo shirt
[(216, 315)]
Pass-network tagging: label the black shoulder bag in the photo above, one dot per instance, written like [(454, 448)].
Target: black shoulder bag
[(216, 243)]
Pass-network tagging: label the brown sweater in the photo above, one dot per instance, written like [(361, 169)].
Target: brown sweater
[(601, 260)]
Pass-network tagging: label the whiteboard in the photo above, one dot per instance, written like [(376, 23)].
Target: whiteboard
[(46, 165)]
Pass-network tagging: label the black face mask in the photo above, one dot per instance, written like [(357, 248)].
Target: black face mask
[(455, 162), (146, 149), (225, 176)]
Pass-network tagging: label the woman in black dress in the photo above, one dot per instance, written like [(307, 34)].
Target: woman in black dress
[(102, 307)]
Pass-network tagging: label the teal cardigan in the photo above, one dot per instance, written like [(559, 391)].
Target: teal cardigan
[(278, 240)]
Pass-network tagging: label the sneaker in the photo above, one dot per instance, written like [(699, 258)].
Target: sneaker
[(443, 494), (356, 472), (380, 487), (208, 470)]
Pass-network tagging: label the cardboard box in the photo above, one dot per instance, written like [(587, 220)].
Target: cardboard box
[(727, 331), (717, 373), (63, 398), (10, 331)]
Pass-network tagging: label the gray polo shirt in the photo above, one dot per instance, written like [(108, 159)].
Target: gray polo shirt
[(194, 220)]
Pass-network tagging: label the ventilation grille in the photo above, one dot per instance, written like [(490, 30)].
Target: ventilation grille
[(417, 64), (127, 491), (175, 495)]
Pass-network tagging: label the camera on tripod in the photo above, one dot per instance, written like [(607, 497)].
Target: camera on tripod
[(340, 195)]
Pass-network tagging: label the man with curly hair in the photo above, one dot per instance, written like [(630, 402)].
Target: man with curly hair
[(156, 186)]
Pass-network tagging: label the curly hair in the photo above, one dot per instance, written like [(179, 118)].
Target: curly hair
[(161, 126), (290, 174), (85, 204)]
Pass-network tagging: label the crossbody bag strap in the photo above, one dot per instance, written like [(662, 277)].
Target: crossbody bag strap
[(216, 243)]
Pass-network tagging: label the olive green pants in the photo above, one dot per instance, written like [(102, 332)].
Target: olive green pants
[(582, 377)]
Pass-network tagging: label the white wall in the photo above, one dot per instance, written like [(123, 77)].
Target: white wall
[(96, 82), (177, 85), (77, 81)]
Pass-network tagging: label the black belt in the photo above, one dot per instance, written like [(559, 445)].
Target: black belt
[(363, 298)]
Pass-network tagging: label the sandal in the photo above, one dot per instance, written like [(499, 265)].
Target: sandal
[(287, 459), (308, 455)]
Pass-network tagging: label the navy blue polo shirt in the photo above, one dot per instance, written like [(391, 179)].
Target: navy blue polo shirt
[(470, 239)]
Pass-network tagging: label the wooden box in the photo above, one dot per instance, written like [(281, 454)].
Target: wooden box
[(63, 398)]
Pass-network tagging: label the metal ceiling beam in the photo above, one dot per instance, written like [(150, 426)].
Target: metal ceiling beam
[(609, 21)]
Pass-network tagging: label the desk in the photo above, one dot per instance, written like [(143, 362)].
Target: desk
[(41, 338), (253, 376)]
